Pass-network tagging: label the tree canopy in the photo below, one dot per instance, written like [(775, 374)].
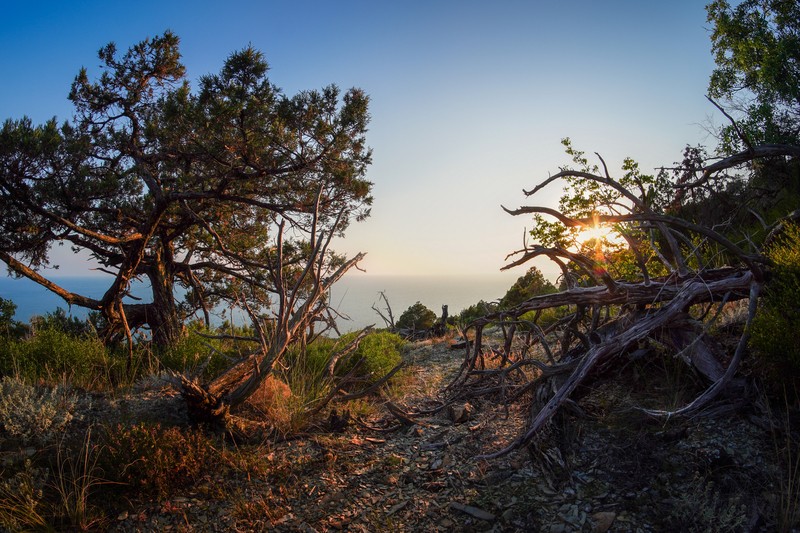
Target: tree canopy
[(230, 192), (416, 318), (756, 47), (532, 283)]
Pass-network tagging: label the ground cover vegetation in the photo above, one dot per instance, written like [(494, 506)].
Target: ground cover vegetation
[(654, 388)]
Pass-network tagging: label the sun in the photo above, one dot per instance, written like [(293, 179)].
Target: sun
[(598, 234), (591, 233)]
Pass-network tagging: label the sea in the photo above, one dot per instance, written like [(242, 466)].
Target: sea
[(353, 297)]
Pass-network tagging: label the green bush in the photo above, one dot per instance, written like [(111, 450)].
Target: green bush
[(380, 351), (52, 354), (476, 311), (59, 320), (547, 317), (193, 352), (9, 328), (531, 284), (315, 358), (775, 327), (416, 318)]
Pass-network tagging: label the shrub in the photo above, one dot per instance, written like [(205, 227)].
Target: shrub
[(476, 311), (380, 352), (53, 354), (151, 458), (531, 284), (9, 327), (306, 375), (34, 414), (547, 317), (416, 318), (193, 354), (317, 354), (775, 327), (60, 321)]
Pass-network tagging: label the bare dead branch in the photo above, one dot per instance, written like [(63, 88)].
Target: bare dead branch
[(756, 152)]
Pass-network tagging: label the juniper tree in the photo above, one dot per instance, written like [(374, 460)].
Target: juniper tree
[(230, 191)]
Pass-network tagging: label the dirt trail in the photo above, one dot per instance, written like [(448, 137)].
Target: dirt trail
[(614, 473)]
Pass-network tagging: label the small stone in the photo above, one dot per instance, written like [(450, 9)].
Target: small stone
[(460, 413), (122, 516), (396, 507), (473, 511), (603, 521)]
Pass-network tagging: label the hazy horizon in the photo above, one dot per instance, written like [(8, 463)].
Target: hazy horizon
[(352, 296)]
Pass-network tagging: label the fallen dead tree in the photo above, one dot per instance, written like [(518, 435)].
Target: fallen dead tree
[(674, 290)]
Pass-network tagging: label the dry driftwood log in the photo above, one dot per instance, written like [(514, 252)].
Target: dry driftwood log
[(603, 320)]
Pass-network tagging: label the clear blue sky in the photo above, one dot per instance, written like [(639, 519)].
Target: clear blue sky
[(469, 99)]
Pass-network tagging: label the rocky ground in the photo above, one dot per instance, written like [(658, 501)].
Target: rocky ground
[(610, 470), (605, 468)]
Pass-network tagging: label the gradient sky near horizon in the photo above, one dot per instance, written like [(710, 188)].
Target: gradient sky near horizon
[(469, 100)]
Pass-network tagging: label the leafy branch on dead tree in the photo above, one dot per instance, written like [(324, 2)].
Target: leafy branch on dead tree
[(675, 273)]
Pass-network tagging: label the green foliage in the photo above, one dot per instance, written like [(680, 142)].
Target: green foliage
[(9, 328), (316, 355), (34, 414), (306, 374), (378, 353), (756, 47), (53, 355), (476, 311), (533, 283), (59, 320), (416, 318), (544, 318), (154, 459), (194, 353), (774, 330), (587, 200)]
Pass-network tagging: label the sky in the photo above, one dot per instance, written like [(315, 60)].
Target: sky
[(469, 100)]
